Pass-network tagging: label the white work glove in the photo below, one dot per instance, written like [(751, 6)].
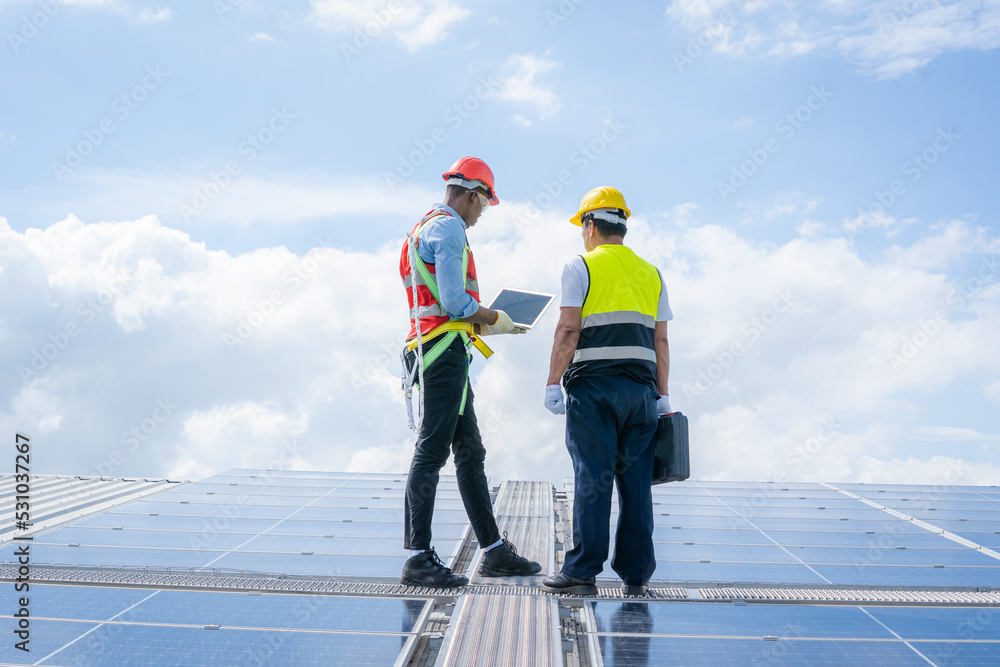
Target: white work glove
[(663, 405), (503, 324), (554, 400)]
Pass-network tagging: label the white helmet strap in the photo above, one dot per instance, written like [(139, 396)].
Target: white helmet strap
[(608, 215), (465, 183)]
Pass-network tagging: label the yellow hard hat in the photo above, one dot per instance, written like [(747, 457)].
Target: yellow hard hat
[(602, 197)]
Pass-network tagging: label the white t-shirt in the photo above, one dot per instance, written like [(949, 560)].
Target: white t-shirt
[(576, 283)]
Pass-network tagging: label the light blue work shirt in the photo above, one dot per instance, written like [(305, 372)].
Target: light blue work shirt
[(442, 243)]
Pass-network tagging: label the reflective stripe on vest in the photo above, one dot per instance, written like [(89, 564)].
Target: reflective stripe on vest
[(619, 312), (408, 280)]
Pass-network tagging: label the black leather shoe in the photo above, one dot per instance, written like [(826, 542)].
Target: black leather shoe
[(635, 590), (503, 561), (427, 570), (563, 583)]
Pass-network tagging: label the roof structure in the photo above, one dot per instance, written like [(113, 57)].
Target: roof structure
[(263, 567)]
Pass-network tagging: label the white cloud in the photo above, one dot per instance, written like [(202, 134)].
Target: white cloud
[(780, 352), (520, 83), (433, 24), (127, 9), (951, 434), (992, 391), (885, 39), (239, 435), (889, 225), (521, 120), (263, 37), (152, 16), (416, 23), (784, 204), (259, 198)]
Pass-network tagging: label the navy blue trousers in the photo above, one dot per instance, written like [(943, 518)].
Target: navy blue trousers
[(444, 432), (610, 434)]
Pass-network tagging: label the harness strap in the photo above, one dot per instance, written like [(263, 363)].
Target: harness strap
[(448, 330)]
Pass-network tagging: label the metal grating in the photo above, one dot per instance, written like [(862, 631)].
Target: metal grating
[(221, 579), (852, 595)]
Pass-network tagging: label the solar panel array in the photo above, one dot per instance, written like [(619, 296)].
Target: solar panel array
[(86, 625), (667, 633), (825, 534), (317, 524), (254, 567)]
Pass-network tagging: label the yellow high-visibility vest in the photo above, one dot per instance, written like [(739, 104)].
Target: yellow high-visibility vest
[(619, 314)]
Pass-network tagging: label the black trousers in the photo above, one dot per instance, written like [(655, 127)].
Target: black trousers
[(444, 431)]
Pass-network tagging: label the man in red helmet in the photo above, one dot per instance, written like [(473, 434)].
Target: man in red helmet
[(439, 273)]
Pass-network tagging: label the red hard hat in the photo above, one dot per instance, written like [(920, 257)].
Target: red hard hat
[(467, 171)]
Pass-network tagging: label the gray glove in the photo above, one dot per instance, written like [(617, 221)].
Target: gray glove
[(554, 400)]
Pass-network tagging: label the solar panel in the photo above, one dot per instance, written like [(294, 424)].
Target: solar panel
[(811, 533), (306, 573), (631, 633), (293, 523)]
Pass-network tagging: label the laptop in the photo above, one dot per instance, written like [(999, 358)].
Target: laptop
[(524, 307)]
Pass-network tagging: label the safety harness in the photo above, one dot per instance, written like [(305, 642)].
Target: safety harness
[(446, 332)]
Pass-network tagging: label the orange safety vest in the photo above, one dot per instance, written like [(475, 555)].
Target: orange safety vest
[(432, 314)]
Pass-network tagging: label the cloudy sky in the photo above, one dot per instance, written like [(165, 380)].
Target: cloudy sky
[(202, 205)]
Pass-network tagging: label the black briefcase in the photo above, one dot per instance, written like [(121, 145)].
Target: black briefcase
[(672, 463)]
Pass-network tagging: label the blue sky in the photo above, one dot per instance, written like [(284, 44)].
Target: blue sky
[(184, 165)]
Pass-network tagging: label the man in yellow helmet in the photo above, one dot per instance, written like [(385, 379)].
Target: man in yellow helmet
[(610, 353)]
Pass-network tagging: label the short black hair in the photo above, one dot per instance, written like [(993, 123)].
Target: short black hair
[(605, 228), (455, 190)]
